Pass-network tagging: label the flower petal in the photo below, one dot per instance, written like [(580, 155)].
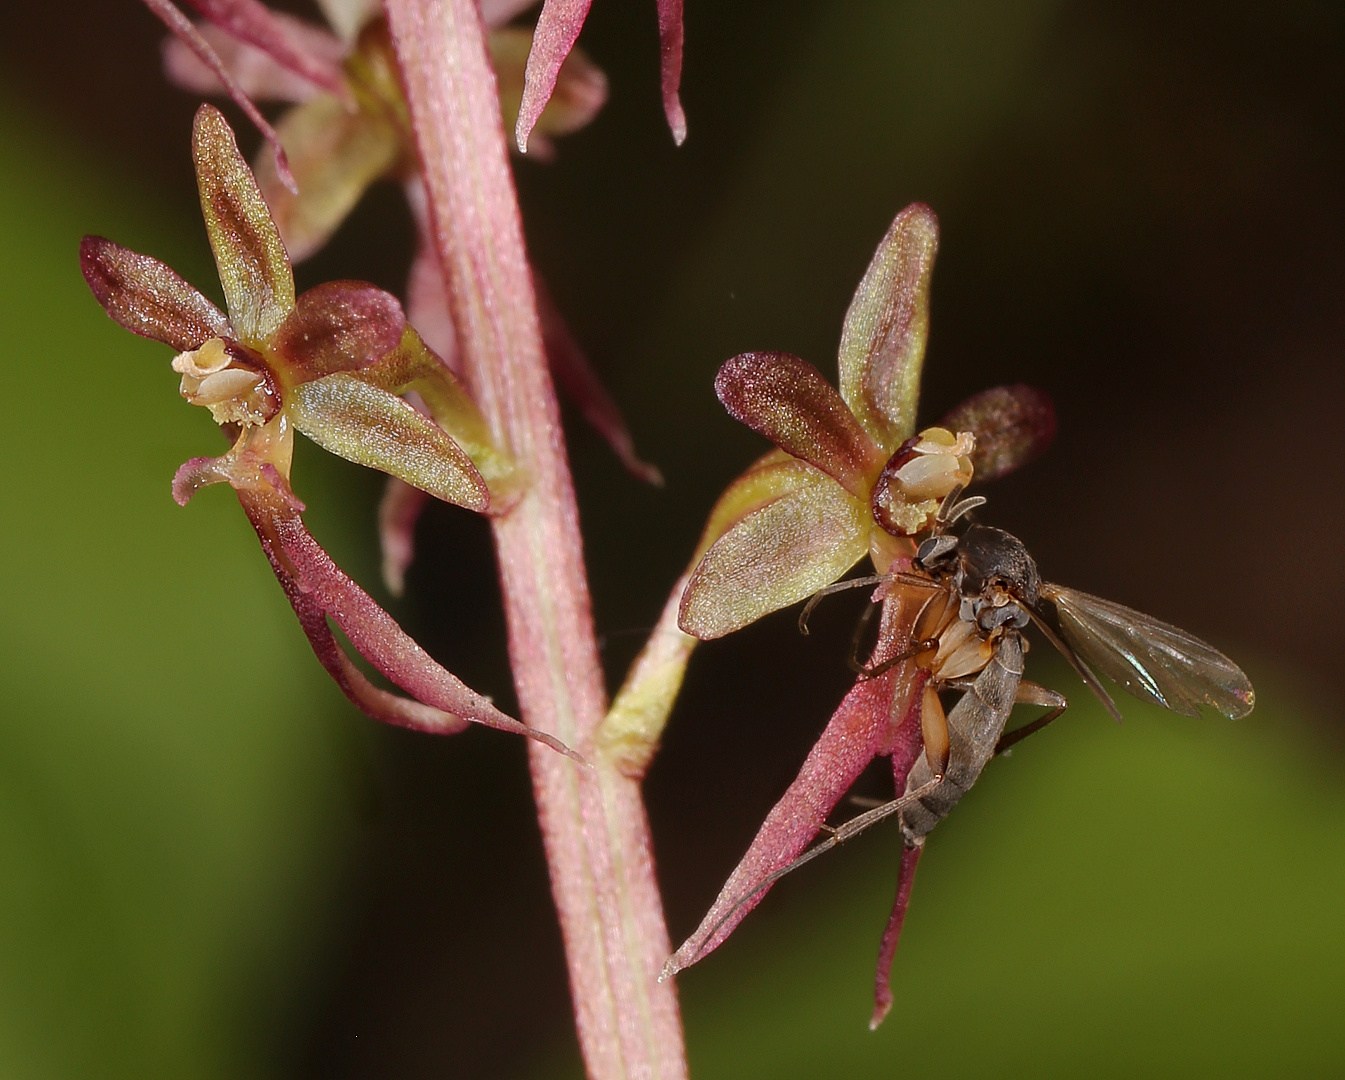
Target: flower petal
[(580, 92), (846, 747), (557, 28), (335, 153), (785, 551), (374, 702), (498, 12), (1013, 425), (259, 76), (305, 50), (147, 297), (372, 427), (340, 326), (670, 68), (883, 341), (787, 400), (294, 554), (398, 512), (185, 30), (253, 267), (413, 367)]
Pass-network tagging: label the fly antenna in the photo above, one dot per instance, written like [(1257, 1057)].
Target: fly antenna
[(965, 507)]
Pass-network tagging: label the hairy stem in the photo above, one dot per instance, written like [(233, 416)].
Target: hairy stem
[(593, 820)]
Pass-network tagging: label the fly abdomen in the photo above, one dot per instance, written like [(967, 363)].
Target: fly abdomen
[(975, 725)]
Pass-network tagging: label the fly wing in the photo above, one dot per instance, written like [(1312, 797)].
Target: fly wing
[(1155, 661)]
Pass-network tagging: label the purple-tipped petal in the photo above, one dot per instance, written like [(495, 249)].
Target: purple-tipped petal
[(883, 340), (372, 427), (305, 50), (558, 27), (398, 513), (253, 267), (340, 326), (804, 539), (296, 556), (787, 400), (845, 749), (1013, 425), (572, 371), (882, 985), (670, 51), (185, 30), (147, 297)]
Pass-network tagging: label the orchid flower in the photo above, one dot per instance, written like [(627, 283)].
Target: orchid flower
[(330, 363), (348, 128), (850, 477)]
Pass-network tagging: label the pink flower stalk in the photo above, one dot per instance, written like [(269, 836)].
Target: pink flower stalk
[(851, 478), (329, 363), (593, 822), (557, 30)]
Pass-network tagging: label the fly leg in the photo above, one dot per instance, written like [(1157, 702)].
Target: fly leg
[(1029, 693), (874, 670)]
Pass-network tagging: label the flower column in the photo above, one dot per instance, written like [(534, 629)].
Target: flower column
[(593, 821)]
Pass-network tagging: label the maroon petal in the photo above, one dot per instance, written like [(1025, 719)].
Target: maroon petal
[(846, 747), (185, 31), (670, 50), (787, 400), (375, 703), (572, 371), (340, 326), (1013, 425), (557, 28), (257, 25), (147, 297), (398, 513), (882, 987), (374, 633)]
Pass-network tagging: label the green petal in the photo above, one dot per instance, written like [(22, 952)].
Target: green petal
[(776, 555), (413, 365), (883, 342), (372, 427), (334, 154), (253, 267)]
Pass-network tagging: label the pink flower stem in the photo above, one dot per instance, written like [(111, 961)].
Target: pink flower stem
[(593, 820)]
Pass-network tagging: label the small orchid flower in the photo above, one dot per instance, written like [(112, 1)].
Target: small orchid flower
[(850, 477), (329, 363), (350, 127)]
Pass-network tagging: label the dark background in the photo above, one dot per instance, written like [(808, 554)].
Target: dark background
[(1142, 213)]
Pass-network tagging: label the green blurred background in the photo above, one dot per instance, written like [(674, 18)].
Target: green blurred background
[(210, 866)]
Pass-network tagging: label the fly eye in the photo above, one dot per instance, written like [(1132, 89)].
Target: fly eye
[(935, 552)]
